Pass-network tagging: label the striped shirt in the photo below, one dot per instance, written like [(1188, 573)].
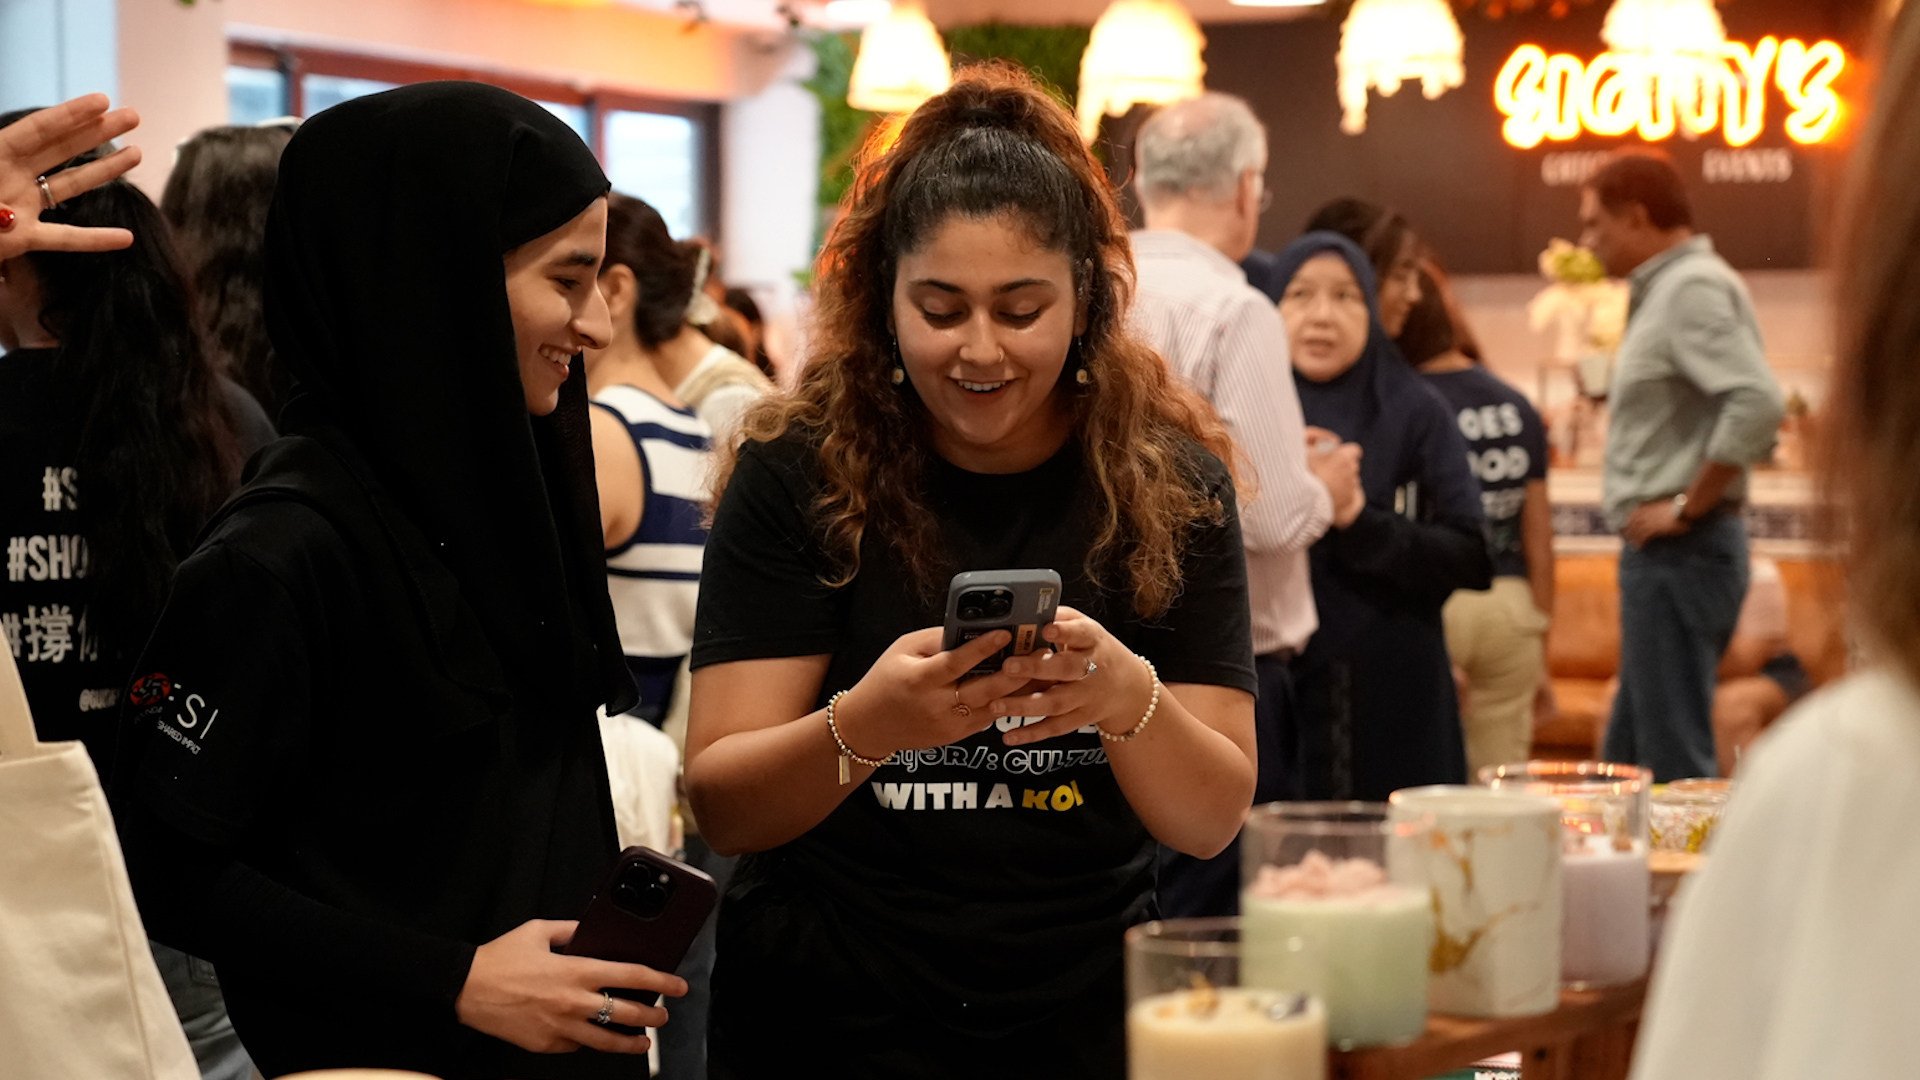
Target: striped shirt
[(654, 577), (1226, 340)]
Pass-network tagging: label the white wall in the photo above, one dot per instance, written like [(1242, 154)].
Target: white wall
[(771, 146), (51, 50)]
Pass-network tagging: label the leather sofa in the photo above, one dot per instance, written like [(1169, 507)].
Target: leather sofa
[(1583, 647)]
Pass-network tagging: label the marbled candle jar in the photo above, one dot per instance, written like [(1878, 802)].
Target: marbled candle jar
[(1492, 865)]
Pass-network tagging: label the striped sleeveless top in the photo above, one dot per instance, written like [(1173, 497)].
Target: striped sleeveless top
[(654, 577)]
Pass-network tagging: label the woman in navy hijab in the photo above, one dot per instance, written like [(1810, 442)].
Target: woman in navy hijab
[(1377, 709)]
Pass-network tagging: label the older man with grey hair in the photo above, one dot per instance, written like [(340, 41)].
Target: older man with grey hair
[(1198, 172)]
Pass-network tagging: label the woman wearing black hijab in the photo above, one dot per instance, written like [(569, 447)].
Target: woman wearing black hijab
[(1377, 704), (361, 754)]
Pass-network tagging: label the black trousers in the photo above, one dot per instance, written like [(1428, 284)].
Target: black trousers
[(1191, 887)]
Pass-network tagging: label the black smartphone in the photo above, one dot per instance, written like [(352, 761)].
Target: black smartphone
[(982, 601), (647, 911)]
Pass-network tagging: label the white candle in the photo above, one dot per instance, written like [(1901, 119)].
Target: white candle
[(1366, 957), (1226, 1034), (1604, 940)]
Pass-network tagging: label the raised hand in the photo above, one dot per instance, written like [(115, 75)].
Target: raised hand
[(43, 140)]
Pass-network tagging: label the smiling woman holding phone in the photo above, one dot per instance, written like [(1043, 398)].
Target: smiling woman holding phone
[(973, 403)]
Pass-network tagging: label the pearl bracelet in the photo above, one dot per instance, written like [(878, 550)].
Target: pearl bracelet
[(1152, 705), (846, 752)]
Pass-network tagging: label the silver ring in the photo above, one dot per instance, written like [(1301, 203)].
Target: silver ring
[(46, 194), (605, 1015), (1091, 668)]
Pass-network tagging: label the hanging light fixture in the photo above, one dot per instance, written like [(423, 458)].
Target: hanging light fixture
[(1386, 42), (1665, 28), (1141, 52), (901, 62), (1678, 45)]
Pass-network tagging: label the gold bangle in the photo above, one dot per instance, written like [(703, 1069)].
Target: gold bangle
[(846, 752), (1153, 704)]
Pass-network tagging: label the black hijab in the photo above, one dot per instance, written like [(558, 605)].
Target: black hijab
[(386, 299), (1350, 402)]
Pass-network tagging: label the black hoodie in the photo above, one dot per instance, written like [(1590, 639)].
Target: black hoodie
[(362, 739)]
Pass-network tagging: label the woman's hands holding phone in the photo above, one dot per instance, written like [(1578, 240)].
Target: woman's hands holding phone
[(912, 697), (1086, 677), (520, 990)]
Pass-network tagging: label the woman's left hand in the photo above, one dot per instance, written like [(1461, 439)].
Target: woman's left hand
[(1086, 677)]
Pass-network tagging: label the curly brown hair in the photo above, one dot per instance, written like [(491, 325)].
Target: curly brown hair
[(995, 144)]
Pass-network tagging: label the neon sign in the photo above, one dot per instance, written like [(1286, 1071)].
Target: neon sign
[(1559, 97)]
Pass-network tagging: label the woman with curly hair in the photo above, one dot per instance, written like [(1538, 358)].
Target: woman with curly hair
[(973, 402)]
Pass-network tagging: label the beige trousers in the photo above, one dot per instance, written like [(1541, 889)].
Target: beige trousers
[(1499, 639)]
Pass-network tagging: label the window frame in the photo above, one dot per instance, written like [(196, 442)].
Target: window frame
[(295, 62)]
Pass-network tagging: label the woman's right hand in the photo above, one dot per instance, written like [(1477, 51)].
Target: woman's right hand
[(521, 991), (43, 140), (907, 700)]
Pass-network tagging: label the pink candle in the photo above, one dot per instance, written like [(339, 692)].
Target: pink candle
[(1604, 936)]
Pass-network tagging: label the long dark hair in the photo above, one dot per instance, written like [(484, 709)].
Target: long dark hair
[(637, 238), (157, 448), (216, 200)]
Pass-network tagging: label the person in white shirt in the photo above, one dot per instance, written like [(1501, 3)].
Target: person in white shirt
[(1792, 952), (1198, 175)]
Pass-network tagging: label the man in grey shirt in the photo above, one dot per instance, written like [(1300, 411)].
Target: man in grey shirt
[(1693, 407)]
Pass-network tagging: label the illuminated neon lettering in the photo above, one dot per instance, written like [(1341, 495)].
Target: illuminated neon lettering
[(1559, 97)]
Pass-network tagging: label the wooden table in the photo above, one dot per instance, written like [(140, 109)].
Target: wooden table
[(1589, 1037)]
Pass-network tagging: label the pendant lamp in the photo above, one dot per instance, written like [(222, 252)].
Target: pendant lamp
[(901, 62), (1384, 43), (1141, 52)]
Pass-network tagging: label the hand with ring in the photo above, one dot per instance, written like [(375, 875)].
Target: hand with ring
[(520, 990), (33, 148), (914, 696), (1085, 676)]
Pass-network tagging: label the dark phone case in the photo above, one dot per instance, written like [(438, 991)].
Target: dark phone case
[(1036, 598), (608, 931)]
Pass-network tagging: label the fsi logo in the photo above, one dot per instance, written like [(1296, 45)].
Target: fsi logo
[(180, 715)]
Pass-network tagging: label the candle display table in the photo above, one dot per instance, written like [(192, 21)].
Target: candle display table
[(1589, 1037)]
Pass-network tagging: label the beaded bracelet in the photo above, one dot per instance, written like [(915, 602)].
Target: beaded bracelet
[(1152, 705), (846, 752)]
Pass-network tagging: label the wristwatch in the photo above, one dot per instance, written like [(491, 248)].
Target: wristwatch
[(1680, 509)]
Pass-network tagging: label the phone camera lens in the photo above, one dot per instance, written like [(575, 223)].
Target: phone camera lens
[(971, 612), (1001, 604)]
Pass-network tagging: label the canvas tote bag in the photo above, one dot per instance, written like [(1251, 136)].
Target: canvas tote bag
[(79, 993)]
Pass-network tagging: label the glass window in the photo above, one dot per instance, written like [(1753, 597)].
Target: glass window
[(326, 91), (574, 115), (657, 157), (255, 94)]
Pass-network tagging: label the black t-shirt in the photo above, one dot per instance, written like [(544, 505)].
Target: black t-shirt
[(72, 672), (984, 885), (1506, 448)]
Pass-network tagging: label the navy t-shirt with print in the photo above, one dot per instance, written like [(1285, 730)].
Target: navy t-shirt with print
[(984, 886), (1506, 448)]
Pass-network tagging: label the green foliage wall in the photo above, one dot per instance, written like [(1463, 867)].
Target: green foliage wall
[(1052, 53)]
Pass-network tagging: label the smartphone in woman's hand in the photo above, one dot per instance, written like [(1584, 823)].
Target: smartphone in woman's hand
[(1021, 602)]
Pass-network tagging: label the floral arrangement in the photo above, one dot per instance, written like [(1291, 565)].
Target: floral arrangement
[(1584, 308)]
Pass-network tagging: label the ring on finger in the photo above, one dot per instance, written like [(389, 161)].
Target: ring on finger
[(46, 194), (960, 708), (1091, 668), (605, 1015)]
